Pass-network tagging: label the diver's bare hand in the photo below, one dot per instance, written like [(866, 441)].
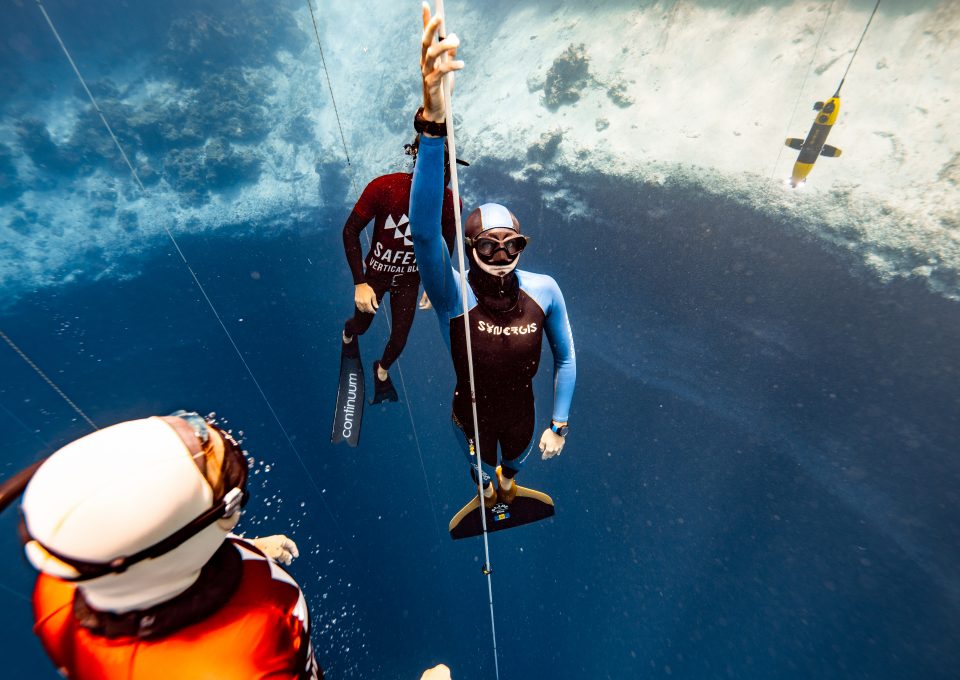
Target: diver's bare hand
[(425, 301), (436, 59), (439, 672), (551, 444), (279, 548), (365, 298)]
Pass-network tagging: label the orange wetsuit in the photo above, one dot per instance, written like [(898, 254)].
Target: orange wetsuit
[(261, 632)]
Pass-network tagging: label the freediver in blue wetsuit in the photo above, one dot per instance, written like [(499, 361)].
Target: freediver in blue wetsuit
[(509, 309)]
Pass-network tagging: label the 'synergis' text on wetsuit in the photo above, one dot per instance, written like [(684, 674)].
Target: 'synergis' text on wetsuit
[(507, 319), (390, 264)]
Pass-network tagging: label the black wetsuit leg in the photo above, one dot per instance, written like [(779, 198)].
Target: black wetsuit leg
[(360, 321), (467, 445), (403, 308), (507, 428), (516, 439)]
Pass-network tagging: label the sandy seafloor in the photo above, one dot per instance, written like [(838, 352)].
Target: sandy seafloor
[(761, 479)]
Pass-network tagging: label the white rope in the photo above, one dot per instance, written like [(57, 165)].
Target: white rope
[(196, 280), (455, 186), (47, 380), (26, 428), (386, 316), (16, 593), (93, 101), (333, 100)]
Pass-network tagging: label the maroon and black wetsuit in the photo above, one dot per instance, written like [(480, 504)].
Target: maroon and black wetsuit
[(390, 265)]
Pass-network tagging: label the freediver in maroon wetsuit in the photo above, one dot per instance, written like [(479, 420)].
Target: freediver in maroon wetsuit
[(390, 267)]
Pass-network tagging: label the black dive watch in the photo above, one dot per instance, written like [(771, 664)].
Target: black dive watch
[(561, 430), (421, 125)]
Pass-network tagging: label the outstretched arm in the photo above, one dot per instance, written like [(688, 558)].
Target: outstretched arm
[(426, 195), (564, 369), (351, 242), (426, 201), (564, 356), (364, 296)]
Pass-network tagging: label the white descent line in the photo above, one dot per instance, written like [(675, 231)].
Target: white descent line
[(196, 280), (336, 112), (63, 396), (455, 185), (96, 107), (47, 380)]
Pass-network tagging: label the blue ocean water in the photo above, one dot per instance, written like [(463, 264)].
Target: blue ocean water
[(761, 478)]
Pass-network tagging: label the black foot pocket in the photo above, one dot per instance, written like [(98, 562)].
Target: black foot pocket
[(350, 350), (384, 391)]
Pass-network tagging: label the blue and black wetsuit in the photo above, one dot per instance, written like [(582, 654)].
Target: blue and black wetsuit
[(507, 319)]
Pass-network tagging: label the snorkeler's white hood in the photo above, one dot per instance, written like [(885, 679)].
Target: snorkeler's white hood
[(116, 492)]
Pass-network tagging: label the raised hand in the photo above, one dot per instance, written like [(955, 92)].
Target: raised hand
[(436, 60)]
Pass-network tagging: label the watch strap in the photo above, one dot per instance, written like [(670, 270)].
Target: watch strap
[(421, 125)]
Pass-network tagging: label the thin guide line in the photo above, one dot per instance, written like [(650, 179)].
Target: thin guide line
[(386, 314), (47, 379), (196, 280), (447, 85)]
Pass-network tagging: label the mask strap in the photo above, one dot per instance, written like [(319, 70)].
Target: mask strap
[(11, 488)]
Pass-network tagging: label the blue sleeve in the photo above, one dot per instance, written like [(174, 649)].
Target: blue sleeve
[(564, 356), (440, 280)]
